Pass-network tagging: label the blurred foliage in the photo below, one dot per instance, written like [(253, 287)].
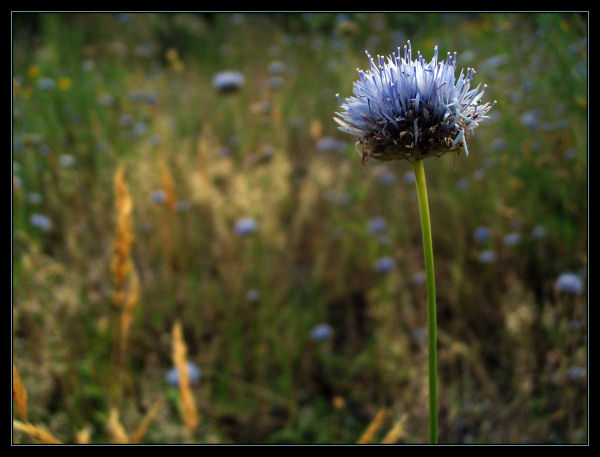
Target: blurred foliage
[(93, 91)]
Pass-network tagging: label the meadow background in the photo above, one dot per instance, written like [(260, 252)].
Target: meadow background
[(141, 193)]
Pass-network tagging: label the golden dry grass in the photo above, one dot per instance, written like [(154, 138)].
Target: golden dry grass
[(19, 394), (37, 432), (142, 429), (373, 428), (186, 402), (121, 263), (396, 432), (116, 429)]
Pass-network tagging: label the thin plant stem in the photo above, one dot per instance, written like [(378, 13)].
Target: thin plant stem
[(421, 184)]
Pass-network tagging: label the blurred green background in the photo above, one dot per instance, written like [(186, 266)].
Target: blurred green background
[(92, 91)]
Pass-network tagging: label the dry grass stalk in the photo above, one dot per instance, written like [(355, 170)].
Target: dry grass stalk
[(373, 427), (396, 432), (119, 436), (121, 263), (19, 394), (83, 436), (36, 431), (169, 187), (140, 432), (187, 404), (121, 267), (129, 308)]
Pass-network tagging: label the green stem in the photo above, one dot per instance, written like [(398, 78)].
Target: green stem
[(419, 170)]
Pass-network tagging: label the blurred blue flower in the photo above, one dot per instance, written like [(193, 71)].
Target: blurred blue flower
[(482, 234), (383, 238), (252, 296), (499, 144), (398, 36), (224, 151), (531, 119), (343, 199), (144, 50), (88, 65), (330, 144), (18, 144), (527, 85), (66, 160), (419, 335), (569, 283), (123, 17), (106, 99), (46, 84), (494, 61), (419, 278), (576, 324), (246, 226), (385, 265), (514, 97), (154, 140), (321, 332), (561, 124), (577, 373), (126, 120), (479, 175), (194, 374), (409, 177), (488, 256), (377, 225), (228, 81), (276, 82), (276, 67), (182, 206), (158, 196), (405, 109), (372, 41), (34, 198), (41, 222), (570, 153), (490, 162), (387, 178), (144, 97), (512, 239), (463, 184), (140, 128)]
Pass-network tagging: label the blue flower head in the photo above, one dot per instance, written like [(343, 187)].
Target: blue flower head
[(488, 256), (41, 222), (385, 265), (482, 233), (410, 109), (158, 196), (228, 81), (46, 84), (387, 179), (377, 225), (569, 283), (194, 374), (252, 296), (512, 239), (321, 332), (246, 226)]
